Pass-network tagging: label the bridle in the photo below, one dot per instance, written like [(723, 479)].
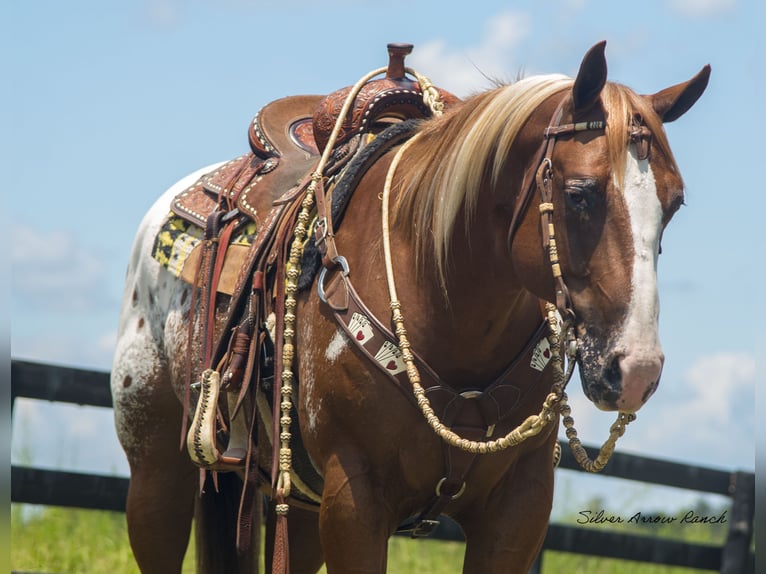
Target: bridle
[(639, 134), (561, 315), (540, 176)]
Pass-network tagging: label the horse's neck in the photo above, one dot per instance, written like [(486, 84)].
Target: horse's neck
[(470, 328), (479, 325)]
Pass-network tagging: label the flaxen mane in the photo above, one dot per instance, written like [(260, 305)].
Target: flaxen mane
[(476, 138)]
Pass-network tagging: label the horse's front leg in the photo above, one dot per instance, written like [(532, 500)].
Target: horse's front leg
[(507, 533), (354, 520)]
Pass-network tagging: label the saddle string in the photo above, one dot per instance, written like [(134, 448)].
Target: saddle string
[(555, 403)]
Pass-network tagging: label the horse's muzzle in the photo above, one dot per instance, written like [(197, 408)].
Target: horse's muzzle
[(625, 382)]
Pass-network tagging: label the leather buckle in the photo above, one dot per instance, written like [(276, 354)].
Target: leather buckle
[(320, 230)]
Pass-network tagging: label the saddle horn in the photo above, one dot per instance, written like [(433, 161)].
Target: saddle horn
[(396, 96)]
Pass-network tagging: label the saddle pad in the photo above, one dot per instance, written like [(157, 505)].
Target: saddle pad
[(177, 249)]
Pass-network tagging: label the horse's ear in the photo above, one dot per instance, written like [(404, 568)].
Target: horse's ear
[(591, 78), (671, 103)]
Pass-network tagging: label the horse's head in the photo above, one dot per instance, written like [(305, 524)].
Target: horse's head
[(613, 188), (599, 153)]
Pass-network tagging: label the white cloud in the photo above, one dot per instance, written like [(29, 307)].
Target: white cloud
[(462, 71), (711, 416), (506, 30), (719, 385), (80, 426), (702, 8), (163, 14), (52, 270)]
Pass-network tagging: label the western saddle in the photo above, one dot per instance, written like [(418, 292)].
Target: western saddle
[(233, 357)]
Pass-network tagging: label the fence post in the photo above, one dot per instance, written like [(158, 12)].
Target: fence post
[(735, 556)]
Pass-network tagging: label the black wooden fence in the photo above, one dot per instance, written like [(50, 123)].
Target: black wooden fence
[(71, 489)]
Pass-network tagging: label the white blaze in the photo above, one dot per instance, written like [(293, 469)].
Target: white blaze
[(640, 333)]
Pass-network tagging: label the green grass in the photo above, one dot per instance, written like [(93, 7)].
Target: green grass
[(558, 562), (68, 541), (62, 540)]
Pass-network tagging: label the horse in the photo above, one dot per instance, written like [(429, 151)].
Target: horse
[(545, 193)]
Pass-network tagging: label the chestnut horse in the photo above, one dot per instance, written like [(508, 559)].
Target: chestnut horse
[(468, 253)]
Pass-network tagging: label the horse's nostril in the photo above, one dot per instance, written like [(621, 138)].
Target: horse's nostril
[(613, 373)]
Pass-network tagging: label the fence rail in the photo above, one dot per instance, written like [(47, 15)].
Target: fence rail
[(86, 387)]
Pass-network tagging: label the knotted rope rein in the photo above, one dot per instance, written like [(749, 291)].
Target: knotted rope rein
[(556, 401), (432, 99)]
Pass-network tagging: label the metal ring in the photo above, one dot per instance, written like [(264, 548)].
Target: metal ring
[(454, 496), (339, 260)]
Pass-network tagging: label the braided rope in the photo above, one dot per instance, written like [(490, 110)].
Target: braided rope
[(530, 427), (607, 449), (575, 445), (432, 98)]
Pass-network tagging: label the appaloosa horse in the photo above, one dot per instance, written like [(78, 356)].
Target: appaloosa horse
[(472, 202)]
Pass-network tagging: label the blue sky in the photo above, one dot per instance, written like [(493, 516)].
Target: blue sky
[(106, 104)]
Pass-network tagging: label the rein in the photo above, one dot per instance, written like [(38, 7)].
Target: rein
[(556, 401)]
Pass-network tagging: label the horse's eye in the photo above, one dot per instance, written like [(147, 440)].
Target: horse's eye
[(577, 197), (581, 193)]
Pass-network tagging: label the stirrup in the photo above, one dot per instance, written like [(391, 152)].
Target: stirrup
[(201, 440), (239, 436)]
